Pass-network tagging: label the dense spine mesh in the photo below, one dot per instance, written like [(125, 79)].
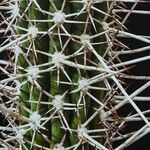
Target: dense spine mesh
[(64, 79)]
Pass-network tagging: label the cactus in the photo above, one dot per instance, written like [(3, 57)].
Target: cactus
[(64, 78)]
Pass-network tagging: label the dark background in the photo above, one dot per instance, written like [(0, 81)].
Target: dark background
[(137, 24)]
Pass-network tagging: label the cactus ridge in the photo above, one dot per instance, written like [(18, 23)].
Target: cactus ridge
[(64, 78)]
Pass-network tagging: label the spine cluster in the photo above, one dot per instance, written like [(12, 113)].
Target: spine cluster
[(63, 79)]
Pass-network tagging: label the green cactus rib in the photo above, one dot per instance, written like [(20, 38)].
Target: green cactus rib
[(56, 46), (101, 49), (29, 89), (80, 116)]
